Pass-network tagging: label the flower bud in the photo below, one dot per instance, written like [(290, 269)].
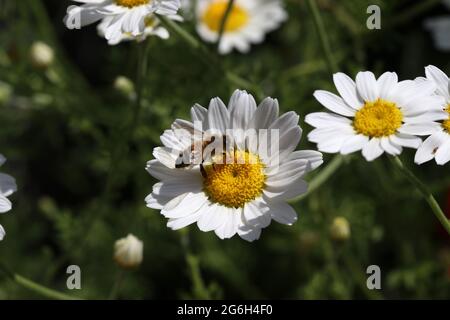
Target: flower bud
[(125, 86), (340, 229), (128, 252), (5, 92), (41, 55)]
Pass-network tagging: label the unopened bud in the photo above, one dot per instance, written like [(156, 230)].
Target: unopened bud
[(5, 92), (41, 55), (125, 86), (340, 229), (128, 252)]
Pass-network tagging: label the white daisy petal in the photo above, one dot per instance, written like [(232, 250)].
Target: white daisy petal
[(372, 149), (230, 227), (325, 120), (187, 206), (347, 89), (265, 114), (354, 143), (5, 204), (2, 233), (213, 217), (443, 153), (333, 103), (405, 140), (176, 224), (420, 129), (367, 86), (440, 79), (283, 213), (249, 233), (386, 83), (255, 214), (7, 185), (218, 116), (242, 107), (390, 147), (315, 158), (428, 149)]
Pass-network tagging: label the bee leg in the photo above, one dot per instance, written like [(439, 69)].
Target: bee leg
[(203, 171)]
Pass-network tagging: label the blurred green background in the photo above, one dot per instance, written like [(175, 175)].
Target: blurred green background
[(60, 130)]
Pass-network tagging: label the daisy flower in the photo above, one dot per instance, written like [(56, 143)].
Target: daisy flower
[(375, 115), (244, 193), (247, 23), (122, 16), (152, 28), (437, 145), (7, 187)]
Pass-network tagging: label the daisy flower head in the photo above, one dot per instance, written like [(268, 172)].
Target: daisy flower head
[(437, 145), (375, 115), (7, 187), (247, 23), (122, 16), (240, 176), (152, 28)]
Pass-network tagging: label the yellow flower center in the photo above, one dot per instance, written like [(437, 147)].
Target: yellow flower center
[(379, 118), (446, 123), (237, 18), (131, 3), (237, 182)]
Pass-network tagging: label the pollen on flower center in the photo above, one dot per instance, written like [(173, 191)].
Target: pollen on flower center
[(237, 18), (379, 118), (446, 123), (237, 182), (131, 3)]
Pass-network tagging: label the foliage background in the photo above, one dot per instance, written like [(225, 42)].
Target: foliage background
[(60, 128)]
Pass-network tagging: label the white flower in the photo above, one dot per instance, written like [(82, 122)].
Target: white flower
[(375, 116), (41, 55), (7, 187), (247, 23), (437, 146), (152, 28), (122, 16), (439, 26), (128, 252), (244, 193)]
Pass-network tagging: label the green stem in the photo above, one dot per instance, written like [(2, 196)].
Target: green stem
[(427, 195), (321, 31), (223, 23), (35, 287), (117, 285), (413, 12), (233, 78), (119, 151), (322, 177)]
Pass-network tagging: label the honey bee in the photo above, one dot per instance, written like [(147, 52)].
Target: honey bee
[(200, 151)]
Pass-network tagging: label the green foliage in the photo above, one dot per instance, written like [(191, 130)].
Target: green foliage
[(60, 129)]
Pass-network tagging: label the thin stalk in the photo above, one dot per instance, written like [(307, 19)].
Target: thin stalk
[(223, 23), (426, 194), (323, 37), (337, 161), (36, 287), (419, 8), (232, 77), (117, 285), (322, 177)]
